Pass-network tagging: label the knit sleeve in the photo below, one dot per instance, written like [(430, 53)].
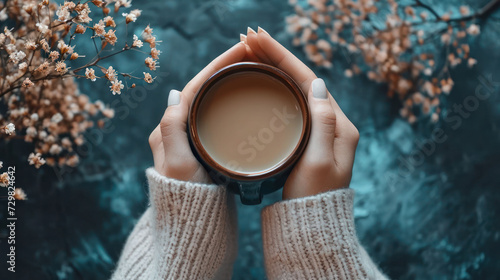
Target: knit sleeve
[(315, 238), (188, 232)]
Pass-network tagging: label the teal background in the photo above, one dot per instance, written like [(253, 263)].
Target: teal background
[(435, 220)]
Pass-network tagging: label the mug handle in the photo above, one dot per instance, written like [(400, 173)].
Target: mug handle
[(250, 192)]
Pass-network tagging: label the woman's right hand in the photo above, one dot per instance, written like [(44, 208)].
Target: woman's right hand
[(327, 161), (169, 141)]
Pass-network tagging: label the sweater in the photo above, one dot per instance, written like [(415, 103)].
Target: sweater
[(189, 231)]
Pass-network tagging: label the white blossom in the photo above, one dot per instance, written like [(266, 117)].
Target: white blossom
[(10, 128), (473, 29), (16, 57), (3, 14), (57, 118)]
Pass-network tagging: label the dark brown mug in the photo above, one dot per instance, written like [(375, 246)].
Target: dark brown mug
[(250, 186)]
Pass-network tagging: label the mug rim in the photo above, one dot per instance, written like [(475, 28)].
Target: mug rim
[(272, 71)]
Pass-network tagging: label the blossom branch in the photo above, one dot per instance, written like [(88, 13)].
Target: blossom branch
[(45, 107), (394, 53)]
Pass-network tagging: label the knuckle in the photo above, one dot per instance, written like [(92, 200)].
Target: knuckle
[(327, 116), (168, 118), (152, 139), (354, 132), (168, 123), (349, 131)]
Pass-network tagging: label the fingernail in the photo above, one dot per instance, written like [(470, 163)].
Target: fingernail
[(261, 30), (174, 97), (319, 88), (250, 30), (243, 38)]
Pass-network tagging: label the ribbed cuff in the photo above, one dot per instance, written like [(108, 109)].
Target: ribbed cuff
[(194, 228), (312, 238)]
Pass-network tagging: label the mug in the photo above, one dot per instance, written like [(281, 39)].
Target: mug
[(250, 186)]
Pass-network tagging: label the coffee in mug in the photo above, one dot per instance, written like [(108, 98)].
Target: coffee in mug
[(249, 122), (248, 125)]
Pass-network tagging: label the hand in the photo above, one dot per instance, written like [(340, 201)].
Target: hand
[(169, 141), (329, 156)]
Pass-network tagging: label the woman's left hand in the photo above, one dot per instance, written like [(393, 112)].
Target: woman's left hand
[(327, 161)]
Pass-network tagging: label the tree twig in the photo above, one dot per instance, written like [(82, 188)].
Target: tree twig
[(419, 3)]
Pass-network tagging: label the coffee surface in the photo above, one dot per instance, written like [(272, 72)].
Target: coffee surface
[(249, 122)]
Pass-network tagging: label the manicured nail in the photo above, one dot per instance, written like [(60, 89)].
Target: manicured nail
[(243, 38), (250, 30), (174, 97), (261, 30), (319, 88)]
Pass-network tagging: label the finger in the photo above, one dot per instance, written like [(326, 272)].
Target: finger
[(346, 134), (243, 38), (289, 63), (253, 43), (250, 56), (173, 127), (284, 59), (324, 120), (346, 141), (330, 131), (174, 120), (233, 55)]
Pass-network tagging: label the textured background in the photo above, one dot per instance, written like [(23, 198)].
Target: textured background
[(436, 220)]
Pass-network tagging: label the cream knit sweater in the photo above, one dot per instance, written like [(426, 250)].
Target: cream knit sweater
[(189, 232)]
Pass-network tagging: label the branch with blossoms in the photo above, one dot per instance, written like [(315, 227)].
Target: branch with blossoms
[(391, 43), (72, 21), (39, 48)]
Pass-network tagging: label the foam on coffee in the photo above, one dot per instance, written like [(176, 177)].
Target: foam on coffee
[(249, 122)]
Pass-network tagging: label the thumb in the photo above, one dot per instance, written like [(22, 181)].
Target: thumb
[(173, 126), (323, 122)]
